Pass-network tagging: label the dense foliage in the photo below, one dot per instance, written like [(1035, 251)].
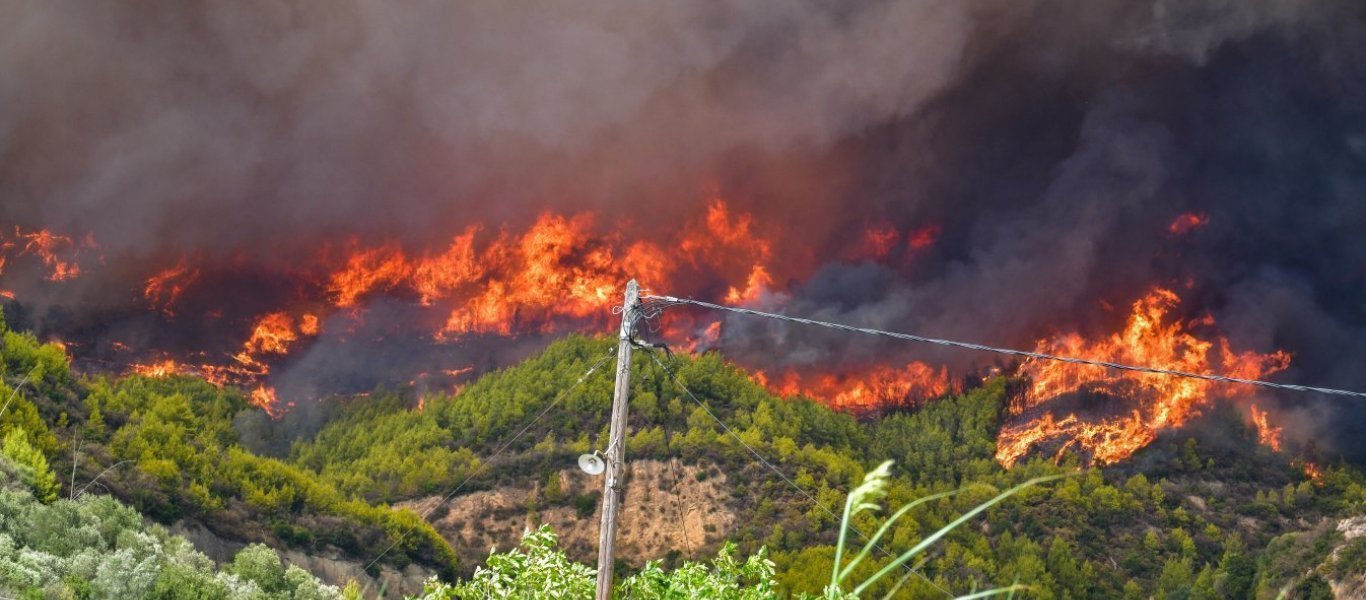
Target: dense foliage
[(170, 448), (538, 569), (96, 547)]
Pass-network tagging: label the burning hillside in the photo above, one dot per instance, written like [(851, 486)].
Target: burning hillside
[(1127, 409), (561, 274), (334, 196)]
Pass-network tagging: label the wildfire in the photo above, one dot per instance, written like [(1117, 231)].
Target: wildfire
[(878, 241), (57, 253), (160, 369), (922, 238), (263, 397), (1313, 472), (559, 272), (48, 246), (758, 282), (1152, 402), (877, 387), (559, 268), (1267, 433), (1187, 223), (163, 289), (566, 270), (272, 335)]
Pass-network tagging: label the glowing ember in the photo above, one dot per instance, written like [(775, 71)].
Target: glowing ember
[(160, 369), (1187, 223), (923, 237), (1152, 402), (1267, 433), (461, 372), (878, 241), (1313, 472)]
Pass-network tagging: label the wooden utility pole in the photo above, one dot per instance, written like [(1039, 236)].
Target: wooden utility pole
[(616, 445)]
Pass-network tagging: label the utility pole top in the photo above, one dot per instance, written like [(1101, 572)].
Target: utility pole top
[(616, 446)]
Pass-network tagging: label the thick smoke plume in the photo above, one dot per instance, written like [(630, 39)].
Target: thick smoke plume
[(1049, 149)]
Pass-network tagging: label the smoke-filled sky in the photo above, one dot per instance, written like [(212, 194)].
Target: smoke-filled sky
[(1052, 144)]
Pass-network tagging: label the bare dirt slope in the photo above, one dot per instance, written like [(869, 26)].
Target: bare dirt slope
[(668, 506)]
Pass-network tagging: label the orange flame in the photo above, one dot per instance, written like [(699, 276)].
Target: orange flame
[(163, 289), (57, 252), (559, 272), (1313, 472), (46, 245), (876, 387), (272, 335), (160, 369), (1155, 402), (263, 397), (1267, 433), (756, 285), (558, 268)]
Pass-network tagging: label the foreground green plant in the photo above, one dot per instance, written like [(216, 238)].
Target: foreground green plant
[(866, 498), (539, 569)]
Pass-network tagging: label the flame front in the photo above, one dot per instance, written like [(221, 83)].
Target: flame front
[(878, 387), (1151, 402), (564, 272), (560, 272)]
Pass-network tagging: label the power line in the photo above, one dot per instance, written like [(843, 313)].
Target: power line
[(662, 302), (674, 377), (554, 402)]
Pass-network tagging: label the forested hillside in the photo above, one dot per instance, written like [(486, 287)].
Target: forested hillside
[(1202, 513), (168, 448), (1206, 511)]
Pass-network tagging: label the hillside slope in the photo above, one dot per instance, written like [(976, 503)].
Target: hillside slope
[(1203, 512), (1192, 514), (171, 449)]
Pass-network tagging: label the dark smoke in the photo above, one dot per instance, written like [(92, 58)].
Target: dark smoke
[(1052, 145)]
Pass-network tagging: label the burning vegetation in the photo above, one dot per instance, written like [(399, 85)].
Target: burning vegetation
[(1119, 412), (563, 272)]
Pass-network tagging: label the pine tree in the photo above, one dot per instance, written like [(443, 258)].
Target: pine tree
[(32, 464)]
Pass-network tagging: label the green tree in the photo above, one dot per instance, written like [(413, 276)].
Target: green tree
[(259, 564), (32, 465)]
